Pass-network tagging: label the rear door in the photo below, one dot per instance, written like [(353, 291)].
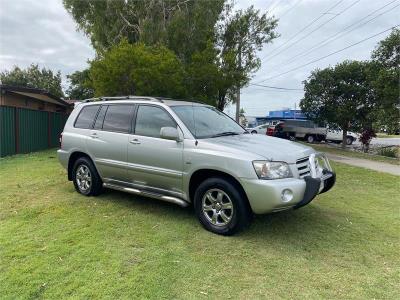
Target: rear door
[(154, 163), (108, 140)]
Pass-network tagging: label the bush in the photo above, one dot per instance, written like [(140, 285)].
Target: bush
[(389, 151)]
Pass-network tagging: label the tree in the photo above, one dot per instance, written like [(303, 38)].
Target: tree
[(34, 77), (128, 69), (388, 50), (241, 35), (183, 26), (384, 75), (80, 86), (341, 96)]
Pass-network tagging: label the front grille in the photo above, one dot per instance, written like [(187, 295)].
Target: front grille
[(303, 166)]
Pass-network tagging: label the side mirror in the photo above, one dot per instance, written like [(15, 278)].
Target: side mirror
[(170, 133)]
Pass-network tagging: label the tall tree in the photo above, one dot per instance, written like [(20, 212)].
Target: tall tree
[(385, 75), (241, 34), (128, 69), (183, 26), (341, 96), (80, 85), (34, 77)]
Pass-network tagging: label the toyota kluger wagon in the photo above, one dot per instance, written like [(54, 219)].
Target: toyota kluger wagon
[(188, 153)]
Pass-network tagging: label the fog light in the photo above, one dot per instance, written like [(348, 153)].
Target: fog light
[(287, 195)]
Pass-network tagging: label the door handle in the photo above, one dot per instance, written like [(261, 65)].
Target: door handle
[(94, 136), (135, 142)]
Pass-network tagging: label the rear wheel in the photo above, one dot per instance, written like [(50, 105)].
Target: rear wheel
[(221, 207), (85, 177), (310, 139), (254, 132)]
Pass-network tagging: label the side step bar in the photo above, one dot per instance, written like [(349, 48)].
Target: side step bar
[(170, 199)]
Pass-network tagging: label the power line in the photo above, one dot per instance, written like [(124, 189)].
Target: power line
[(342, 32), (304, 28), (318, 28), (273, 6), (330, 54), (275, 87), (289, 9)]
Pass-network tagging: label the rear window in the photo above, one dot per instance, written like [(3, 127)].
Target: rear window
[(86, 117), (118, 118)]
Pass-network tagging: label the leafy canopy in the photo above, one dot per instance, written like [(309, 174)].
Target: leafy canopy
[(80, 87), (34, 77), (341, 95), (215, 46), (183, 26), (136, 69)]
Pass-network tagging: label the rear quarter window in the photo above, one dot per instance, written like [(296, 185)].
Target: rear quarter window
[(86, 117)]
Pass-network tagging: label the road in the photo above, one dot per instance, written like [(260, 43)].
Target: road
[(383, 141)]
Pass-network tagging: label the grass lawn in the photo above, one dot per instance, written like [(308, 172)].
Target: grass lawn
[(56, 244), (345, 152)]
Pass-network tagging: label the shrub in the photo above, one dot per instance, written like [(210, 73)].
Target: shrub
[(389, 151)]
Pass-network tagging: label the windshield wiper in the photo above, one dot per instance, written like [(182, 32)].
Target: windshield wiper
[(226, 133)]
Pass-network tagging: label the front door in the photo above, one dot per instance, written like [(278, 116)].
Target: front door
[(154, 163)]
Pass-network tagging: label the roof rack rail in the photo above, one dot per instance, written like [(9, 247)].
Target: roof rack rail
[(103, 98)]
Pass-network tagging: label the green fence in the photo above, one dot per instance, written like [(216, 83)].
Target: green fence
[(24, 130)]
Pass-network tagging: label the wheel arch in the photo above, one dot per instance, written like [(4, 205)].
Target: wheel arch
[(72, 159), (200, 175)]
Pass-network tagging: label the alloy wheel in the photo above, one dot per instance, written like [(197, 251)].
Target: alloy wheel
[(83, 178), (217, 207)]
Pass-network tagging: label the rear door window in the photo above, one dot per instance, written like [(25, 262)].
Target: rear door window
[(118, 118), (86, 117)]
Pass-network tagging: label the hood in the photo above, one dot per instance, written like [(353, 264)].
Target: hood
[(269, 148)]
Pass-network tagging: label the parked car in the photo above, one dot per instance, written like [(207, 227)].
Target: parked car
[(336, 136), (298, 129), (260, 129), (188, 154)]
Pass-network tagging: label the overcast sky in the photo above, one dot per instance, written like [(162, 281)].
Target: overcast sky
[(33, 31)]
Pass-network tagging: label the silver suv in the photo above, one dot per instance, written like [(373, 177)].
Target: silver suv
[(188, 153)]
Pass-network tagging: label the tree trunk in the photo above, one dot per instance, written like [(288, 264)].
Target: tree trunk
[(344, 138), (237, 104)]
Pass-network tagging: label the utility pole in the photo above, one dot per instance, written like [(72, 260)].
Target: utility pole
[(238, 87)]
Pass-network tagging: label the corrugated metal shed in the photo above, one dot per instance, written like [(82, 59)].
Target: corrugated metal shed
[(30, 120)]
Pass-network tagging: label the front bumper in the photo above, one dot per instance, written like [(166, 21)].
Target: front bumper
[(266, 195)]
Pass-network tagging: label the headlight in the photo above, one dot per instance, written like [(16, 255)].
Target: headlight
[(271, 169)]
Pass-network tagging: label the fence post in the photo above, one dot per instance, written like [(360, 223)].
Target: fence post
[(16, 119)]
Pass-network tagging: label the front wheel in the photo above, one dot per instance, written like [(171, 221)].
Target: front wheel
[(349, 140), (221, 207), (254, 132)]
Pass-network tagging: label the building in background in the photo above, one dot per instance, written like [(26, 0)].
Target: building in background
[(275, 115), (30, 119)]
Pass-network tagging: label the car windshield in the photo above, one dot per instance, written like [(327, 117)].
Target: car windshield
[(206, 121)]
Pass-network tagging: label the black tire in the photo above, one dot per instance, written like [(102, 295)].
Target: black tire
[(310, 139), (253, 132), (349, 140), (240, 216), (96, 184)]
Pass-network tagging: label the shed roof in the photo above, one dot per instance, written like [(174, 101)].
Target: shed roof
[(37, 94)]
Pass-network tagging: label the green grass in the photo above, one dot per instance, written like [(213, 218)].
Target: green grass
[(56, 244), (335, 150)]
